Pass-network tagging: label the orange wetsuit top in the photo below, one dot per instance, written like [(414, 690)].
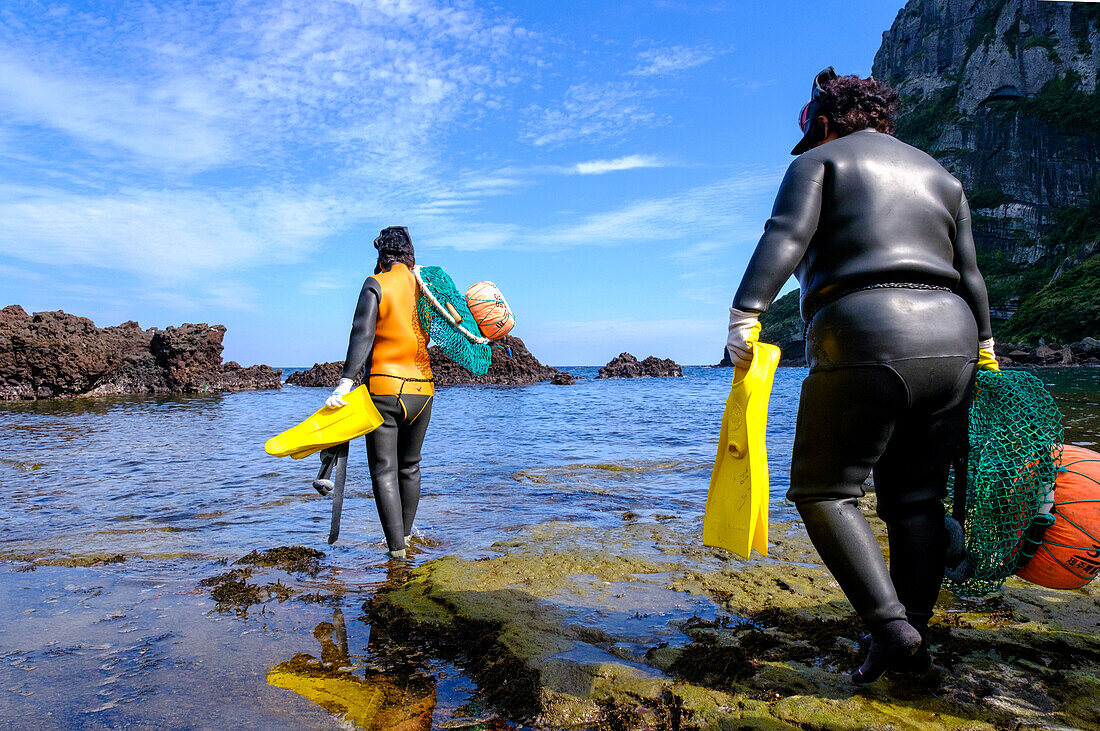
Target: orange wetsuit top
[(398, 355)]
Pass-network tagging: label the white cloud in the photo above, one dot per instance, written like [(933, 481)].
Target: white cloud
[(723, 211), (164, 234), (593, 111), (671, 60), (163, 127), (598, 167), (717, 208)]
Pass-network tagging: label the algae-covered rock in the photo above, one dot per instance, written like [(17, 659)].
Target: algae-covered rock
[(640, 626)]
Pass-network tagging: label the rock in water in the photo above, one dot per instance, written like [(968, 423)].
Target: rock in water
[(563, 379), (321, 375), (513, 365), (625, 365), (58, 355)]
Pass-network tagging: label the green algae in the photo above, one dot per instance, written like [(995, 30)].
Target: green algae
[(774, 651)]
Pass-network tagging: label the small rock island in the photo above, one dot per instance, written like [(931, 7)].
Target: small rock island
[(625, 365), (58, 355)]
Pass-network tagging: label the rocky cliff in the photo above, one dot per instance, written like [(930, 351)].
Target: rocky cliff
[(1004, 93), (58, 355)]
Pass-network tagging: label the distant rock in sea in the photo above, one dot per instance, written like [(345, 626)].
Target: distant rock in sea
[(625, 365), (513, 365), (58, 355), (321, 375), (563, 379)]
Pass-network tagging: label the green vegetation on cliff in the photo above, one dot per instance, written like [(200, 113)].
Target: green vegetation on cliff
[(923, 120), (781, 312), (1066, 310), (1062, 103), (782, 325)]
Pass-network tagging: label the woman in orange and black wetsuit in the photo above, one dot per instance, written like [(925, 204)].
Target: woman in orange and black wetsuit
[(388, 341)]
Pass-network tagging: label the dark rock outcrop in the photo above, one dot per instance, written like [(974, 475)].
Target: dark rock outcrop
[(321, 375), (1085, 352), (625, 365), (58, 355), (563, 379), (1005, 94), (513, 365)]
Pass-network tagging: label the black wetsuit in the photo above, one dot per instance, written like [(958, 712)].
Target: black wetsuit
[(404, 401), (878, 235)]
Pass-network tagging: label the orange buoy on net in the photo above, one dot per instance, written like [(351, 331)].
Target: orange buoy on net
[(490, 311), (1068, 554)]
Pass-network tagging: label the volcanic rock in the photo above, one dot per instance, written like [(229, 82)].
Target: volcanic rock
[(513, 365), (58, 355), (321, 375), (625, 365), (563, 379)]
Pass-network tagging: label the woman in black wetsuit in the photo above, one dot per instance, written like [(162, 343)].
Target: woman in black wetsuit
[(878, 235), (388, 342)]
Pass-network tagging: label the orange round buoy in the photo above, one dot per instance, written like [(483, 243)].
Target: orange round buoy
[(1069, 556), (489, 309)]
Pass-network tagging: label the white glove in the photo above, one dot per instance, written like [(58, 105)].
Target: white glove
[(336, 400), (744, 331), (987, 359)]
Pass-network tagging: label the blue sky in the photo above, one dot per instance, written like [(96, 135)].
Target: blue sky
[(609, 165)]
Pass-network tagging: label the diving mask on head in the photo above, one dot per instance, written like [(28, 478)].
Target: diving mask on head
[(811, 110)]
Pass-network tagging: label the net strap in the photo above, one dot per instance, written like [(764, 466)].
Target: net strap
[(446, 315)]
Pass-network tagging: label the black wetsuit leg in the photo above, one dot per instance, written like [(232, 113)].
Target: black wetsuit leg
[(845, 422), (410, 438), (911, 477), (904, 420), (393, 452)]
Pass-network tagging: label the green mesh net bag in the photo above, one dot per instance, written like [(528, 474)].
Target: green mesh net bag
[(448, 321), (1015, 443)]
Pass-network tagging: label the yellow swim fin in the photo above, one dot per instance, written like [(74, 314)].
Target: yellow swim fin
[(328, 427), (737, 504)]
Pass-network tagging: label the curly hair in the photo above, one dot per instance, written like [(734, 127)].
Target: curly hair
[(851, 104), (394, 246)]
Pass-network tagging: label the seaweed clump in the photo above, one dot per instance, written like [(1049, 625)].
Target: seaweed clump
[(292, 559)]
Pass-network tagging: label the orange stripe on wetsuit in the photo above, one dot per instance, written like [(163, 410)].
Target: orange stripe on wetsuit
[(399, 362)]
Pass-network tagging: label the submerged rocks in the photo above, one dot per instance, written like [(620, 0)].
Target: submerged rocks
[(625, 365), (513, 365), (58, 355)]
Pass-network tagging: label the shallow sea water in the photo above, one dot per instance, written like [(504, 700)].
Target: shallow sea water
[(173, 490)]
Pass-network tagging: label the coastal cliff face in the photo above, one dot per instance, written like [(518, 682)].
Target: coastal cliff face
[(1004, 94), (58, 355)]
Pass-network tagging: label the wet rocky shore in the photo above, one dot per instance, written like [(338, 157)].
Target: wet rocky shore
[(641, 627), (59, 355)]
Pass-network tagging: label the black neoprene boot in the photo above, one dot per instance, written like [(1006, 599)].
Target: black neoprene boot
[(893, 646), (849, 549)]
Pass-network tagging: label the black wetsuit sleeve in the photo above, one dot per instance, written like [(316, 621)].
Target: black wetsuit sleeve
[(971, 285), (362, 329), (786, 236)]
